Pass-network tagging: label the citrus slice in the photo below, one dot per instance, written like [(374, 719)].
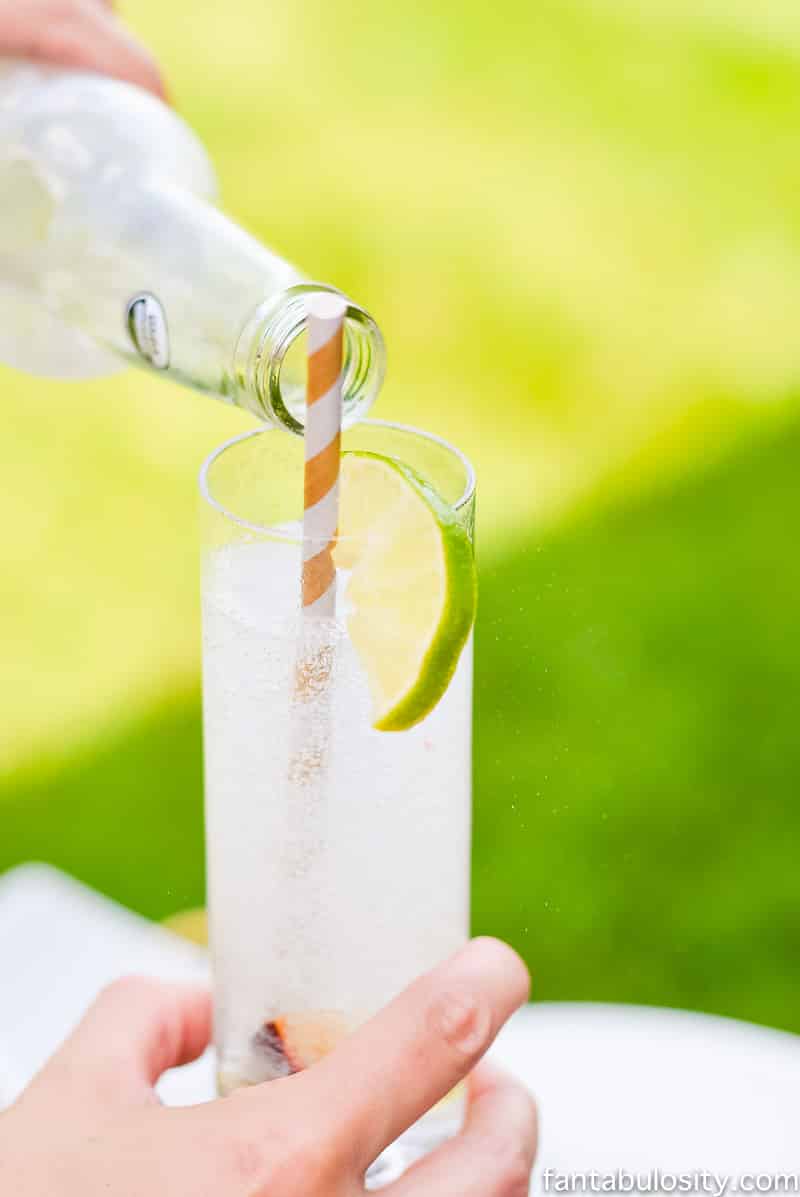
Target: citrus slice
[(412, 590), (293, 1042), (190, 924)]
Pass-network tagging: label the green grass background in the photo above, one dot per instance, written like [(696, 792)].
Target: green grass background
[(578, 223)]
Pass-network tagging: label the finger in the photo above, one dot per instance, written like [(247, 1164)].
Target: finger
[(136, 1030), (83, 35), (493, 1156), (396, 1067)]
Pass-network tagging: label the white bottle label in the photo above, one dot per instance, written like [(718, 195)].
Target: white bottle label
[(147, 325)]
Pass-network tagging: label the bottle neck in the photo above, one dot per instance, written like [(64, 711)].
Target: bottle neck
[(118, 245), (269, 364), (232, 315)]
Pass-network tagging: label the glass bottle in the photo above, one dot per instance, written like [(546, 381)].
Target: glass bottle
[(112, 253)]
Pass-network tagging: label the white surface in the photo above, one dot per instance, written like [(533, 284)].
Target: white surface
[(618, 1087), (59, 944)]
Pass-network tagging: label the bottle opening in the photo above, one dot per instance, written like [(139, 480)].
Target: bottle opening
[(277, 359)]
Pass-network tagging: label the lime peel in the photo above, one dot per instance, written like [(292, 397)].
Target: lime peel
[(413, 588)]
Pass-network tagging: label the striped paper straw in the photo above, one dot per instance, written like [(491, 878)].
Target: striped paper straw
[(326, 314), (302, 931)]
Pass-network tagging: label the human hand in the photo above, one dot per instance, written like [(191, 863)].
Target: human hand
[(82, 34), (90, 1124)]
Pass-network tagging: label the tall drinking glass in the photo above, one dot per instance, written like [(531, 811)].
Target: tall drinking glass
[(338, 855)]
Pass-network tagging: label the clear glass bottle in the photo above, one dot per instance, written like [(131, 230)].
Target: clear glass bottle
[(112, 253)]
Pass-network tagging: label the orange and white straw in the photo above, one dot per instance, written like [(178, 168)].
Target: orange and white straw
[(326, 314)]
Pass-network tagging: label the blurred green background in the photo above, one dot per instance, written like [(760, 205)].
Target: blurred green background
[(579, 225)]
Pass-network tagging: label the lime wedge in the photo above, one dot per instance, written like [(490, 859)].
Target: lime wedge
[(412, 591)]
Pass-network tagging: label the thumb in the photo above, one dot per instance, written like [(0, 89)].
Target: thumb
[(136, 1029), (397, 1066), (82, 35)]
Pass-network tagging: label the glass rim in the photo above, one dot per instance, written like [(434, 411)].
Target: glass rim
[(278, 531)]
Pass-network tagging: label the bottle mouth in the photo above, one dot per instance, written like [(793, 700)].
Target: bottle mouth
[(280, 358)]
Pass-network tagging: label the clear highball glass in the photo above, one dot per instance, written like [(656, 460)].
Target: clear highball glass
[(338, 855)]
